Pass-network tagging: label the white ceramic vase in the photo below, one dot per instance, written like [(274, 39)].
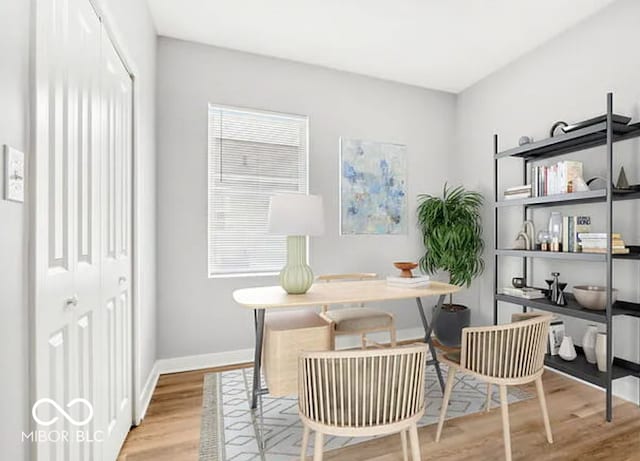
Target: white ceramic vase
[(601, 351), (589, 343), (567, 350)]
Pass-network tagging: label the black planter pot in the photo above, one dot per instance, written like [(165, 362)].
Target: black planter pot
[(449, 324)]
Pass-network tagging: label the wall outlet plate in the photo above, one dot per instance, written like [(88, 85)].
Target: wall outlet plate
[(13, 174)]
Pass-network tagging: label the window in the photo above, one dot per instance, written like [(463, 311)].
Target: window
[(252, 155)]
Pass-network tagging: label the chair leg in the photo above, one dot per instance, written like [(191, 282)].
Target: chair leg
[(403, 437), (445, 401), (543, 407), (363, 338), (318, 445), (415, 443), (488, 397), (506, 430), (305, 443), (392, 336)]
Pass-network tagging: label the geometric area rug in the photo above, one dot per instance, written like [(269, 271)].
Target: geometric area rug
[(230, 431)]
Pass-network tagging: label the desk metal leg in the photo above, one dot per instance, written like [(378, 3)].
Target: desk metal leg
[(427, 336), (258, 316)]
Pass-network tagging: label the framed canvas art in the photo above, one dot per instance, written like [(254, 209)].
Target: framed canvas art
[(373, 187)]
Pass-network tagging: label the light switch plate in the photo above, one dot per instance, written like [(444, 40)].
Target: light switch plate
[(13, 174)]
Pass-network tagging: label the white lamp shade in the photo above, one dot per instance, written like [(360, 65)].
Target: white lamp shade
[(296, 214)]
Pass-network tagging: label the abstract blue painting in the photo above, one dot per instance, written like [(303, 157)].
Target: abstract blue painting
[(373, 187)]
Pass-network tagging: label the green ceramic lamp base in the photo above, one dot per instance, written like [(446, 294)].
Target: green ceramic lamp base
[(296, 277)]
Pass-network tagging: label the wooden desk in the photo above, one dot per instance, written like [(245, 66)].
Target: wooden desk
[(274, 297)]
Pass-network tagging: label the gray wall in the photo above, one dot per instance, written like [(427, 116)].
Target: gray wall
[(196, 314), (566, 79), (14, 353), (135, 32)]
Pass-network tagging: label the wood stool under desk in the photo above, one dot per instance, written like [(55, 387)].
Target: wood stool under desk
[(286, 335)]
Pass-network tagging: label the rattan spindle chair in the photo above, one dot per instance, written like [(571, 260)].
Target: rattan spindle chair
[(358, 320), (506, 355), (362, 393)]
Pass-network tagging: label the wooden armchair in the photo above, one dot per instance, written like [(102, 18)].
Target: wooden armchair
[(505, 355), (357, 320), (361, 393)]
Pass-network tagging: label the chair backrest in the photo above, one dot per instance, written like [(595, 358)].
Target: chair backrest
[(354, 276), (362, 388), (512, 351)]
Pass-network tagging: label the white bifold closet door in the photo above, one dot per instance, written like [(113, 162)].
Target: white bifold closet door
[(115, 293), (82, 246)]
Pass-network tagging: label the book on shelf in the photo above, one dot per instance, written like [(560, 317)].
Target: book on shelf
[(555, 179), (601, 243), (615, 251), (518, 192), (516, 196), (598, 235), (516, 189), (407, 281), (572, 228), (597, 243), (526, 293), (556, 335)]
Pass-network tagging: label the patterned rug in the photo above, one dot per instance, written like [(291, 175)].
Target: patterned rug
[(230, 431)]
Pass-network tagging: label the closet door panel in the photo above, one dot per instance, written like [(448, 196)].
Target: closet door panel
[(67, 227), (115, 254)]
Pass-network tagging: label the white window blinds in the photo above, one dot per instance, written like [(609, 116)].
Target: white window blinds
[(252, 155)]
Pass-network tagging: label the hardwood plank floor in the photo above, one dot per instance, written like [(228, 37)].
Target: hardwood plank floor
[(171, 429)]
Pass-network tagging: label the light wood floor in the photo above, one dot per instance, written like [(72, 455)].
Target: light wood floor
[(171, 429)]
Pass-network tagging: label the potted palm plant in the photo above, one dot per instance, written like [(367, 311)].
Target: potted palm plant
[(452, 234)]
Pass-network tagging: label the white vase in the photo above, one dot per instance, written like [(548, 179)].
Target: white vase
[(567, 350), (589, 343), (601, 351)]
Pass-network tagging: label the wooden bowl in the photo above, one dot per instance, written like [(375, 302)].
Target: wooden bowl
[(406, 268)]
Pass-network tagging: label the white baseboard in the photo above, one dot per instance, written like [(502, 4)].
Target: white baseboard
[(147, 392), (219, 359), (198, 362)]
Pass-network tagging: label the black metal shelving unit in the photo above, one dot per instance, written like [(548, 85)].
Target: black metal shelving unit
[(605, 133)]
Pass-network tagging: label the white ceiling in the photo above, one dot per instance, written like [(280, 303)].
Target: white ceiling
[(441, 44)]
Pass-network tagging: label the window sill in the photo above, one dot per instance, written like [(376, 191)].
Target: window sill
[(233, 275)]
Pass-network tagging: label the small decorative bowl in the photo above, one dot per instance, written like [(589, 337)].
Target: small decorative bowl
[(593, 297), (406, 268)]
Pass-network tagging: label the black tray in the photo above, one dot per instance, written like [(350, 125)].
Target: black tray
[(620, 119)]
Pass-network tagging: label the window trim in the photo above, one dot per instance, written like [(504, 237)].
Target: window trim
[(306, 119)]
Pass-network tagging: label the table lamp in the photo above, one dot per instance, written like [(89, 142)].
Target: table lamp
[(296, 216)]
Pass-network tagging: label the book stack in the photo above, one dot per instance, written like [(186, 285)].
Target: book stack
[(597, 243), (408, 282), (526, 293), (518, 192), (572, 228), (555, 179)]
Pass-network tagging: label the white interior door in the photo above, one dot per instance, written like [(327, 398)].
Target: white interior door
[(82, 336), (116, 246)]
